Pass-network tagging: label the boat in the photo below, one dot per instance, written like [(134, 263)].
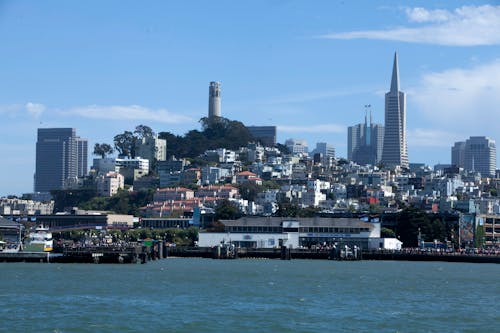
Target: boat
[(39, 240)]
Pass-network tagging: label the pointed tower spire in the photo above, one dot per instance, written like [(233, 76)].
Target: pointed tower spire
[(395, 75)]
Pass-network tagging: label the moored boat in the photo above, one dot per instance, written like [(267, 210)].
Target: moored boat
[(39, 240)]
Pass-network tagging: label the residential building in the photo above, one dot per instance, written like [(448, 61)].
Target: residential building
[(109, 184), (151, 148), (394, 152), (297, 146)]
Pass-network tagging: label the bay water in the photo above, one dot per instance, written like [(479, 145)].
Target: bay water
[(205, 295)]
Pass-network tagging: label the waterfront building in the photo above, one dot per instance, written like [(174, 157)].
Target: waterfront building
[(214, 100), (394, 152), (365, 142), (270, 232), (477, 154), (266, 135), (59, 155), (86, 220)]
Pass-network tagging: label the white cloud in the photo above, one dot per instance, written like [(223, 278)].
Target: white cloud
[(420, 15), (467, 100), (323, 128), (130, 112), (35, 109), (464, 26)]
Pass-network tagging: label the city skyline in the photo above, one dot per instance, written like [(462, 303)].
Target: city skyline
[(104, 68)]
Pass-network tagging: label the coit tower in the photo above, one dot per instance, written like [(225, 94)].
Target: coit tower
[(214, 100)]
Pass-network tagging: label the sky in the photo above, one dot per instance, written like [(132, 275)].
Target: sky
[(309, 68)]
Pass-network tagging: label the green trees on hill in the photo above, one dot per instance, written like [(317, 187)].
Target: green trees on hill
[(216, 133)]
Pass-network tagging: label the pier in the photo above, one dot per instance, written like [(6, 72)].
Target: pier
[(125, 254)]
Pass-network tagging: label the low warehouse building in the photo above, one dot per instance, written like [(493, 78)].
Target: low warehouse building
[(271, 232)]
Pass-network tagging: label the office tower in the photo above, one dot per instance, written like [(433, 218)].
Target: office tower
[(394, 150), (365, 142), (214, 100), (296, 146), (82, 156), (325, 149), (479, 154), (58, 151), (458, 154), (266, 135)]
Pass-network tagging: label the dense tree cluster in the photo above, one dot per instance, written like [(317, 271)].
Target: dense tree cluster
[(410, 221), (216, 133)]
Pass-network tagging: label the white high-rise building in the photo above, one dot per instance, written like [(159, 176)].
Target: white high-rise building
[(214, 100), (479, 155), (394, 151)]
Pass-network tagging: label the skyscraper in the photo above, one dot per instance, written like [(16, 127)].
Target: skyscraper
[(82, 156), (214, 100), (478, 153), (365, 142), (458, 154), (394, 150), (59, 157)]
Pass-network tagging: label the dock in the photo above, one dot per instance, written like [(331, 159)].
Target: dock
[(128, 254)]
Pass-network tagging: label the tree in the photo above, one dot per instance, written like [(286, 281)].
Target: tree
[(103, 149), (387, 233), (249, 190), (226, 210), (125, 144), (143, 131), (286, 208)]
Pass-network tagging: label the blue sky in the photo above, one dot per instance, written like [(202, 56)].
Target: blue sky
[(103, 67)]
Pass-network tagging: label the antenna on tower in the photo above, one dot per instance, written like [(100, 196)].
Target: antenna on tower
[(368, 109)]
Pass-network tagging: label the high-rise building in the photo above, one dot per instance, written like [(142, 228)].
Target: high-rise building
[(82, 156), (325, 149), (394, 152), (58, 155), (214, 100), (365, 142), (458, 154), (266, 135), (479, 153)]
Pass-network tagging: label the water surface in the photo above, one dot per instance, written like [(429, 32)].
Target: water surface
[(205, 295)]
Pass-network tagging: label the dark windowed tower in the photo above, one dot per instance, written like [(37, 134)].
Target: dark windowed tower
[(58, 151)]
